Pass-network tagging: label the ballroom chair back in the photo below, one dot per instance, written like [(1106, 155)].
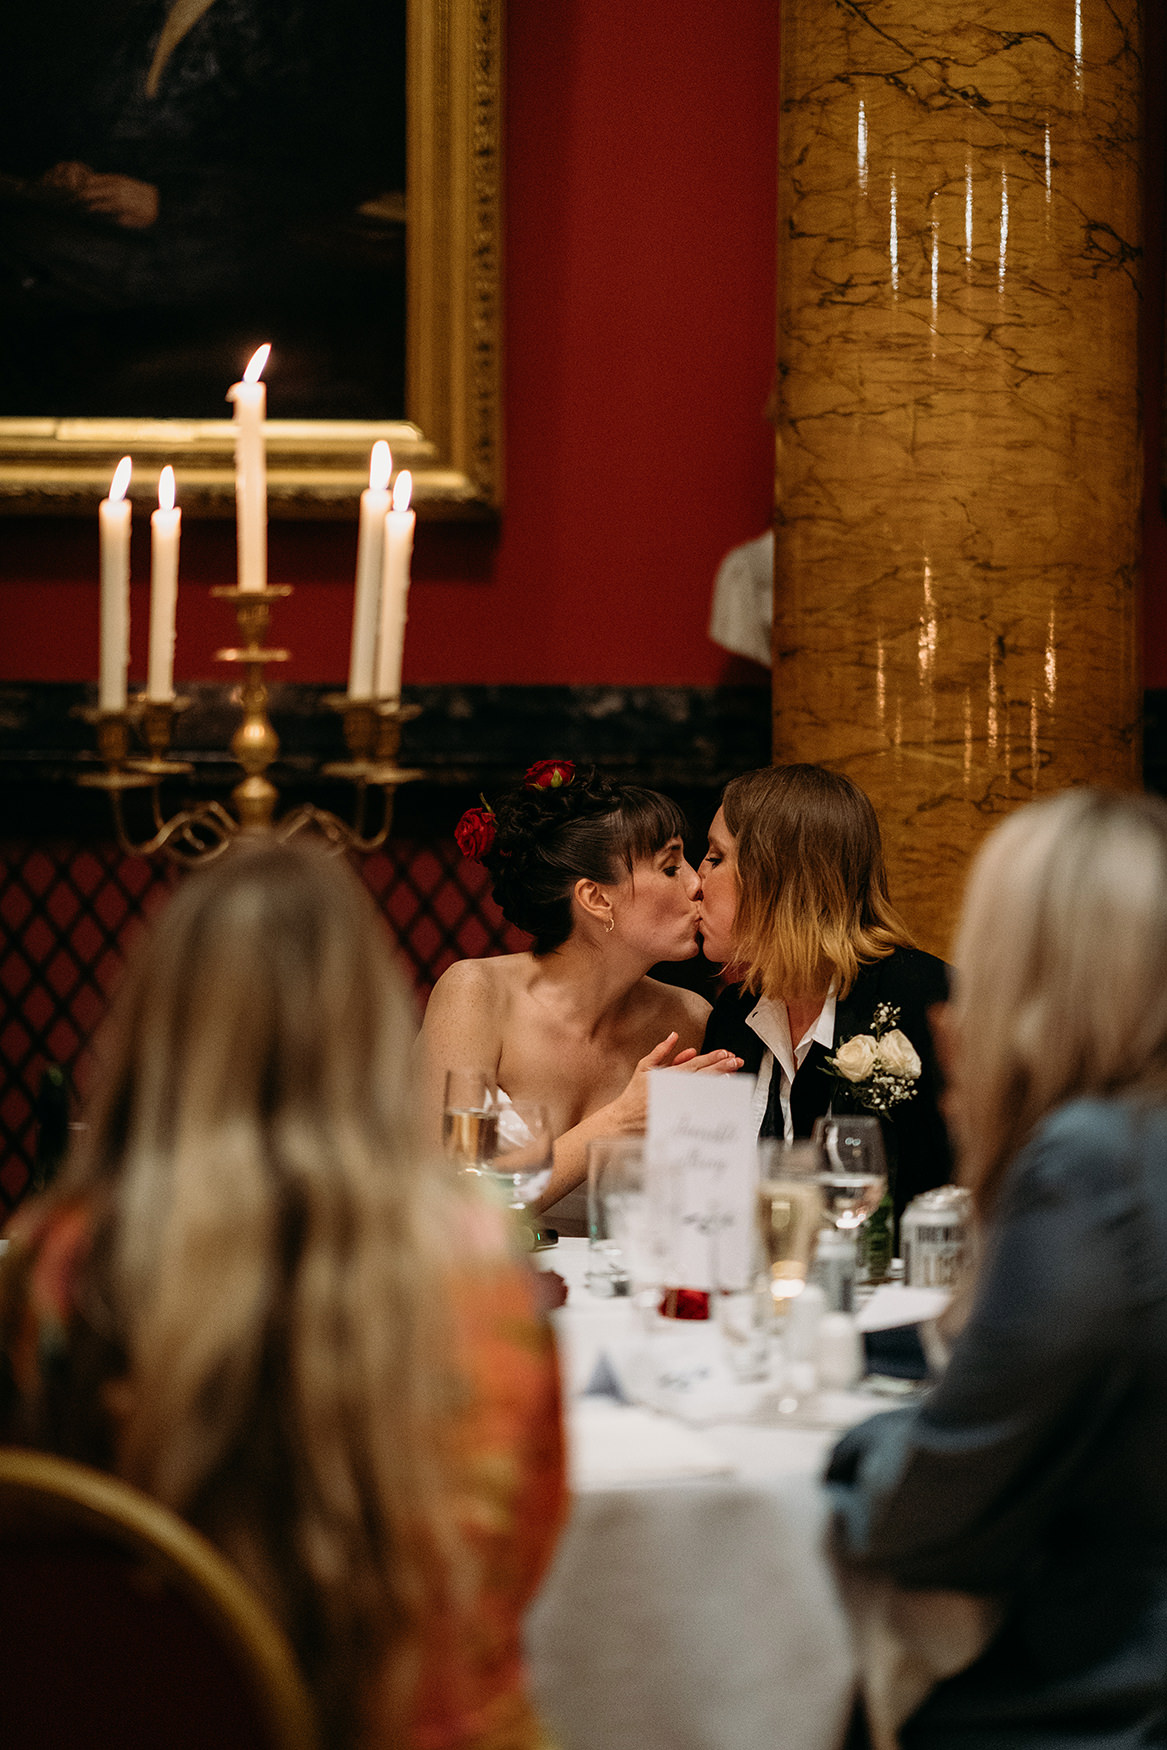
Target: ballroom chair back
[(120, 1625)]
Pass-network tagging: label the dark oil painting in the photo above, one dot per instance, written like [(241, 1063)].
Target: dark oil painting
[(181, 180)]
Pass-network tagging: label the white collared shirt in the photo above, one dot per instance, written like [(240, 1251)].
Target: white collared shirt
[(771, 1023)]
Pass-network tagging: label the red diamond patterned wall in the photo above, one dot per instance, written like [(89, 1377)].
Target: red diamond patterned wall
[(69, 913)]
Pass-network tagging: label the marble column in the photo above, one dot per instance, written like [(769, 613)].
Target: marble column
[(959, 465)]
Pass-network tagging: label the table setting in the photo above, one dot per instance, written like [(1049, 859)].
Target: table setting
[(692, 1601)]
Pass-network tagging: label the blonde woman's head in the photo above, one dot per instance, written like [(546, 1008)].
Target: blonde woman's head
[(269, 1249), (812, 902), (266, 1000), (1061, 970)]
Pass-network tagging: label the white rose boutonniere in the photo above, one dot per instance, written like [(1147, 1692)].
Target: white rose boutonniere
[(856, 1059), (879, 1069), (897, 1053)]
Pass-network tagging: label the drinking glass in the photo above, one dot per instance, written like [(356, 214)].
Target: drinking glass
[(854, 1173), (521, 1164), (790, 1213), (853, 1179), (470, 1119), (790, 1218), (634, 1223), (615, 1172), (743, 1308)]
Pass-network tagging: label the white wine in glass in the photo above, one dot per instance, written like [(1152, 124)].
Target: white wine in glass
[(470, 1120), (790, 1213)]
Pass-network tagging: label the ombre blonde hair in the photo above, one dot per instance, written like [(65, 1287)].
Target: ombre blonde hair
[(812, 902), (1061, 986), (268, 1257)]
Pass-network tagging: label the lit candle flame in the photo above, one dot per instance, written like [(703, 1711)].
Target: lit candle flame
[(166, 488), (119, 485), (380, 466), (259, 359), (402, 490)]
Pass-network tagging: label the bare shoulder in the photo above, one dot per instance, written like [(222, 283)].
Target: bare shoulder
[(679, 1011), (469, 983)]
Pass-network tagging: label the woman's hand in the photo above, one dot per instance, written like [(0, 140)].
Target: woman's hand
[(124, 199), (630, 1109)]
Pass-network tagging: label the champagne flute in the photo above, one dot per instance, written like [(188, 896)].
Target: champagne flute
[(790, 1212), (470, 1119)]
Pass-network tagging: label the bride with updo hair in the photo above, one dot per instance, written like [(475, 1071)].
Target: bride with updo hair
[(595, 873)]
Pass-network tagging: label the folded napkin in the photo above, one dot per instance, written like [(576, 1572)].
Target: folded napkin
[(612, 1443), (895, 1304), (897, 1324)]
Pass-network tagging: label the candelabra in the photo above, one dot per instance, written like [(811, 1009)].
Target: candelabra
[(372, 731)]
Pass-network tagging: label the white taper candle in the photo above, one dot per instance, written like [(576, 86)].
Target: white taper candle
[(250, 405), (113, 518), (375, 503), (165, 529), (399, 526)]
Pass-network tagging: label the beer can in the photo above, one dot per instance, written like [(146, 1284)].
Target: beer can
[(934, 1237)]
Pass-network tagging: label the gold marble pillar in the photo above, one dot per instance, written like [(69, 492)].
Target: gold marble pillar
[(959, 466)]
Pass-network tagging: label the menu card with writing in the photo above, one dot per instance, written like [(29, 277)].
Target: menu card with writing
[(702, 1163)]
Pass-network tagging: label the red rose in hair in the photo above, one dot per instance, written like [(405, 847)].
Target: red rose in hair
[(549, 775), (474, 833)]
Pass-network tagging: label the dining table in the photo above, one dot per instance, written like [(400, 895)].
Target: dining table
[(692, 1603)]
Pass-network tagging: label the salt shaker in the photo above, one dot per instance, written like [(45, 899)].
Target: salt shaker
[(839, 1352)]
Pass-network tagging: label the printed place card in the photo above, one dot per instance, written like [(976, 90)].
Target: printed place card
[(701, 1156)]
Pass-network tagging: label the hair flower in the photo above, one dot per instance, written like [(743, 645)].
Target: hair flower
[(549, 775), (474, 833)]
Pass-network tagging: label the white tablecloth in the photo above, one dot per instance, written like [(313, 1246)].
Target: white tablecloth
[(692, 1610)]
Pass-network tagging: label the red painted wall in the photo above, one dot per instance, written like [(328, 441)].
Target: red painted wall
[(640, 181), (639, 342)]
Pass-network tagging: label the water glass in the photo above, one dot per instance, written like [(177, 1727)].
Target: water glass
[(853, 1180), (521, 1164), (854, 1171), (615, 1172), (743, 1310)]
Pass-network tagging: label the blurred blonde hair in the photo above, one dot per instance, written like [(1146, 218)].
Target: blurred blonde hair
[(812, 903), (1061, 985), (268, 1254)]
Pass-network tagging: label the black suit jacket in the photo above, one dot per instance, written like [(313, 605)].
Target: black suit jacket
[(918, 1147)]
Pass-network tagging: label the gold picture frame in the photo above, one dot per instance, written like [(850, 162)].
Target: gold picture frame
[(316, 468)]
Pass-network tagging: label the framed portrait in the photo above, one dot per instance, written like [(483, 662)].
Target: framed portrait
[(183, 180)]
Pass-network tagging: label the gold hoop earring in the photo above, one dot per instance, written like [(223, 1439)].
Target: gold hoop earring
[(610, 925)]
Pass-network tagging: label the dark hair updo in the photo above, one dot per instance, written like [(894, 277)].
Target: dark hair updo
[(548, 839)]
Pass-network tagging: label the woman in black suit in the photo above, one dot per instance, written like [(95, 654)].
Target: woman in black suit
[(794, 896)]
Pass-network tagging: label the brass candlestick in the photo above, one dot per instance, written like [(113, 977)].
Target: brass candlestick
[(113, 745), (156, 722), (255, 743), (372, 729)]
